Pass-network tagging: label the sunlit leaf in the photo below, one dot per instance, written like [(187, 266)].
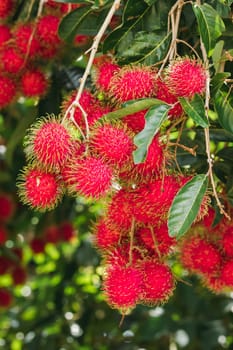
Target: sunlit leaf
[(186, 205), (225, 111), (154, 119)]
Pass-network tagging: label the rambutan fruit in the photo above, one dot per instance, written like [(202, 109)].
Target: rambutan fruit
[(66, 231), (11, 60), (6, 207), (122, 253), (120, 210), (186, 77), (5, 265), (103, 75), (7, 91), (5, 34), (37, 245), (227, 273), (52, 234), (90, 177), (135, 121), (163, 93), (106, 235), (25, 40), (6, 7), (49, 142), (157, 238), (113, 143), (227, 241), (132, 82), (39, 189), (17, 253), (198, 255), (19, 275), (5, 298), (34, 83), (81, 40), (47, 30), (3, 235), (122, 286), (158, 282), (151, 201), (208, 219)]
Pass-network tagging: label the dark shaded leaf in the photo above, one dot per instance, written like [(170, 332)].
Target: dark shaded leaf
[(134, 8), (226, 153), (186, 205), (210, 25), (154, 119), (195, 109), (217, 81), (224, 111)]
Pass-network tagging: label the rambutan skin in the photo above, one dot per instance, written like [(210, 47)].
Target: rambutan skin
[(165, 95), (34, 83), (6, 6), (90, 177), (3, 235), (39, 189), (49, 142), (5, 34), (103, 75), (37, 245), (227, 273), (19, 275), (158, 282), (131, 83), (122, 286), (106, 235), (227, 241), (11, 60), (6, 207), (186, 77), (112, 143), (26, 42), (47, 30), (5, 298), (7, 91)]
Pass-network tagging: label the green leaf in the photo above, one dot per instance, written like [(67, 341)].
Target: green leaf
[(154, 119), (146, 48), (210, 24), (134, 8), (70, 23), (195, 109), (131, 107), (186, 204), (224, 111), (217, 81), (217, 54)]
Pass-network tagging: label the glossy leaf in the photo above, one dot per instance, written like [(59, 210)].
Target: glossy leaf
[(70, 23), (186, 205), (146, 48), (217, 54), (195, 109), (225, 111), (131, 107), (210, 25), (154, 119), (134, 8)]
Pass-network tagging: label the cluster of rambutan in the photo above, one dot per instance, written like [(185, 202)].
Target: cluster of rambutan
[(6, 211), (54, 234), (208, 252), (95, 160), (24, 49)]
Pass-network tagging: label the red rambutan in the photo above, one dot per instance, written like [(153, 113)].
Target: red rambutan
[(5, 34), (5, 265), (37, 245), (26, 41), (90, 177), (198, 255), (227, 241), (5, 298), (49, 142), (158, 282), (7, 91), (3, 235), (6, 207), (103, 75), (47, 30), (39, 189), (136, 121), (164, 94), (132, 82), (122, 286), (113, 144), (120, 210), (18, 275), (105, 235), (227, 273), (34, 83), (186, 77), (52, 234), (11, 60), (66, 231), (82, 40), (6, 7)]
